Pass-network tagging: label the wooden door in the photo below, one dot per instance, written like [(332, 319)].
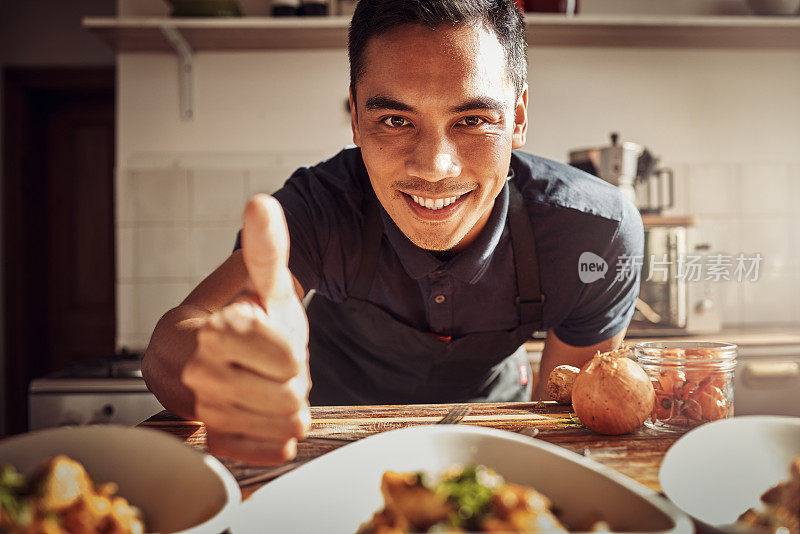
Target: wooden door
[(79, 176), (58, 224)]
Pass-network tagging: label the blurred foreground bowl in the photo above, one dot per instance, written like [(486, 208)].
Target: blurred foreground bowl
[(177, 488)]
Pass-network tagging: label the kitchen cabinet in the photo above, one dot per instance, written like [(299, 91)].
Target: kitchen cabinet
[(186, 36), (146, 34)]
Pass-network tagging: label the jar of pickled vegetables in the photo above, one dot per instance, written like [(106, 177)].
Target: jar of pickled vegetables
[(693, 382)]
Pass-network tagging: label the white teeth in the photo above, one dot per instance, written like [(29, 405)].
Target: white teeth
[(434, 203)]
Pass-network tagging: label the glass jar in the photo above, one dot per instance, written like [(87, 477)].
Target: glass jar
[(693, 382)]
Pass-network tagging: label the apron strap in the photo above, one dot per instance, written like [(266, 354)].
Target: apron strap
[(530, 299), (371, 238)]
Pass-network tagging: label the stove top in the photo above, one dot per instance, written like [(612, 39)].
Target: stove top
[(123, 364)]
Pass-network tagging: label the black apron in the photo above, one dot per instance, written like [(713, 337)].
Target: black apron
[(360, 354)]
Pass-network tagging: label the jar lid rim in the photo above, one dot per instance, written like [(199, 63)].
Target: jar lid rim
[(651, 351), (661, 345)]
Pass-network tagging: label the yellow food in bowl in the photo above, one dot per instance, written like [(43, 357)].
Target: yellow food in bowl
[(61, 498)]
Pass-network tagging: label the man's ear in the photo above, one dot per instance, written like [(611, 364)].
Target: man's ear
[(518, 137), (354, 120)]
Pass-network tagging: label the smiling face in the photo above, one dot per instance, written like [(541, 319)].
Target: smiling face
[(436, 118)]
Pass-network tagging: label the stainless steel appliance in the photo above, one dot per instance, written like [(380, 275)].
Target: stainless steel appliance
[(631, 167), (672, 299), (102, 391)]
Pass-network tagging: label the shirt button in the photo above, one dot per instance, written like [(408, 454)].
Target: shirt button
[(438, 299)]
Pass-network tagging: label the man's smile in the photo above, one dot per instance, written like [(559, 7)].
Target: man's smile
[(434, 209)]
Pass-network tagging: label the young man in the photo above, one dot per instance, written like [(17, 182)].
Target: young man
[(434, 250)]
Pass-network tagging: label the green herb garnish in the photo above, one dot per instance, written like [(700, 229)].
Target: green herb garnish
[(12, 496), (470, 492)]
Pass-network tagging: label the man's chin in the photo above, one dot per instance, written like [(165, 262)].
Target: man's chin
[(435, 243)]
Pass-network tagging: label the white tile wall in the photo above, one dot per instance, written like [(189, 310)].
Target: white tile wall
[(750, 208), (178, 216), (163, 252), (713, 189), (765, 189), (211, 245), (794, 225), (731, 296), (126, 253), (177, 223), (770, 237), (267, 180), (161, 196), (722, 233), (153, 299), (217, 195), (768, 299), (794, 296), (127, 325)]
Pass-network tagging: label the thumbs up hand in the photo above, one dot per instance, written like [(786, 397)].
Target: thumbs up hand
[(249, 371)]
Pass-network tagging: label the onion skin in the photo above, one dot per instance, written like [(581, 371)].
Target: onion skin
[(612, 394), (560, 382)]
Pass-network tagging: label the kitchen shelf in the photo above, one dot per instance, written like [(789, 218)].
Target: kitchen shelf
[(147, 34)]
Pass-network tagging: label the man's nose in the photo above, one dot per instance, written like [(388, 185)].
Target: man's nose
[(434, 158)]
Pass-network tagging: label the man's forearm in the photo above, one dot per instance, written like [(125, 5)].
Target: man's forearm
[(173, 342), (556, 353)]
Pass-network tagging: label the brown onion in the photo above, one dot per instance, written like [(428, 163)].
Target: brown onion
[(612, 394)]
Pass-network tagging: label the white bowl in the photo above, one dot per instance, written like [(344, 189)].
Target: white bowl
[(774, 7), (177, 488), (339, 490), (718, 470)]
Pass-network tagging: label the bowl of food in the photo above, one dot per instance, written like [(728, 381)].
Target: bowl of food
[(737, 474), (109, 478), (456, 478)]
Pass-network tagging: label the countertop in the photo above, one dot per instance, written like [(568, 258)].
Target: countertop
[(637, 455)]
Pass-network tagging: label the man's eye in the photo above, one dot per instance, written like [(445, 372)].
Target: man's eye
[(472, 121), (395, 122)]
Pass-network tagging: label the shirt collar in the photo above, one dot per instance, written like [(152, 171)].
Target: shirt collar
[(469, 264)]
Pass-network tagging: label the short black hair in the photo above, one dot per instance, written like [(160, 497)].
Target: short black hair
[(375, 17)]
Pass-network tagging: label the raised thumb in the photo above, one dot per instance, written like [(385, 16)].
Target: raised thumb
[(265, 247)]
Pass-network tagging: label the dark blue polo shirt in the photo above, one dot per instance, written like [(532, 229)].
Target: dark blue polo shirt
[(571, 213)]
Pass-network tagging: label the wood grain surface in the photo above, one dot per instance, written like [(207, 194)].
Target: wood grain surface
[(637, 455)]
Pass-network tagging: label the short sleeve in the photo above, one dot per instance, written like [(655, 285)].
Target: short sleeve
[(606, 304)]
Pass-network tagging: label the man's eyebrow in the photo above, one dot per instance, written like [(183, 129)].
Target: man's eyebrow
[(480, 102), (386, 102)]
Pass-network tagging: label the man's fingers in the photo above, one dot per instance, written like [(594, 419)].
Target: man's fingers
[(252, 451), (225, 384), (267, 397), (265, 248), (231, 420), (248, 338)]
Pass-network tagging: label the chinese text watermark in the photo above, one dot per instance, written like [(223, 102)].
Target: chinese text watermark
[(690, 268)]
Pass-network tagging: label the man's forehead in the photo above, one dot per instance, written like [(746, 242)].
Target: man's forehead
[(467, 59)]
